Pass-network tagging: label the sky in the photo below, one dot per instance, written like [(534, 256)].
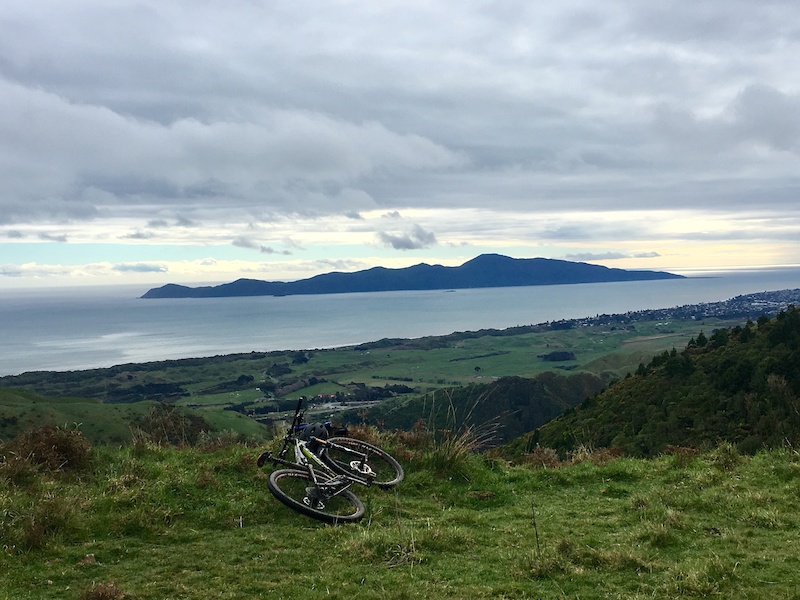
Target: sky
[(199, 142)]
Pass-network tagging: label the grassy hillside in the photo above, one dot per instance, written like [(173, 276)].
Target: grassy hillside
[(505, 408), (100, 422), (263, 383), (148, 522), (740, 385)]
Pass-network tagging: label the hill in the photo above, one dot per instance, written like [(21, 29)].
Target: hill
[(506, 408), (740, 385), (151, 521), (487, 270), (112, 423)]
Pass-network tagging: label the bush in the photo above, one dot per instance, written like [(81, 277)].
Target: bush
[(543, 458), (49, 448), (166, 424), (105, 591)]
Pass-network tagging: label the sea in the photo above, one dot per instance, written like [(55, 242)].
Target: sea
[(63, 329)]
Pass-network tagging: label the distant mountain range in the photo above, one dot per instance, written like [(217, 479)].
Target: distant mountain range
[(484, 271)]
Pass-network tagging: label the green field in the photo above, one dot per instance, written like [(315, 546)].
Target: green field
[(160, 523), (255, 382)]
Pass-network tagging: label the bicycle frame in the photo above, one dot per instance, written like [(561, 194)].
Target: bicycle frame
[(305, 459)]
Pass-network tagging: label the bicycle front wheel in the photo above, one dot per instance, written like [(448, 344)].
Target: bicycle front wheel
[(344, 455), (297, 490)]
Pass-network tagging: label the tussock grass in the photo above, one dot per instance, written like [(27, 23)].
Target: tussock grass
[(161, 522), (105, 591)]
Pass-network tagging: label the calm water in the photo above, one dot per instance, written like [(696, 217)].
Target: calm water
[(66, 329)]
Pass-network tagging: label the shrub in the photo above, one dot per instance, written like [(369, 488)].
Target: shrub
[(419, 437), (543, 458), (167, 425), (682, 455), (50, 448), (725, 457), (596, 456), (105, 591)]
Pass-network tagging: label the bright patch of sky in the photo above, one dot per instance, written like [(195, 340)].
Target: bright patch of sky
[(184, 142)]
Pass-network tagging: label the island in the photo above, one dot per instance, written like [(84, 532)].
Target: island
[(484, 271)]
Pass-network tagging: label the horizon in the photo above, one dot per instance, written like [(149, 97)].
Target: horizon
[(35, 287)]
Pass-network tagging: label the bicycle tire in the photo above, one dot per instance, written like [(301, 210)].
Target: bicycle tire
[(388, 471), (292, 487)]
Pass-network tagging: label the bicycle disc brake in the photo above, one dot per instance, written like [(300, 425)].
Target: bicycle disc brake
[(361, 467), (313, 498)]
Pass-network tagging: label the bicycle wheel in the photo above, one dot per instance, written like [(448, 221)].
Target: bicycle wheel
[(340, 456), (296, 490)]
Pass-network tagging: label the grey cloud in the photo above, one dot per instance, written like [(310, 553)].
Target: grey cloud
[(51, 237), (767, 115), (554, 106), (138, 235), (569, 232), (414, 239), (243, 242), (182, 221), (10, 271), (44, 209), (140, 268), (271, 250)]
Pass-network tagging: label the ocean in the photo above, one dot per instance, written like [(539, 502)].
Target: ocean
[(82, 328)]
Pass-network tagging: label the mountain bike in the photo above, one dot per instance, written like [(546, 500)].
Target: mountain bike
[(317, 482)]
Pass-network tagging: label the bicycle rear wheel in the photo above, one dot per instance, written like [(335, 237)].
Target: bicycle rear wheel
[(297, 490), (342, 455)]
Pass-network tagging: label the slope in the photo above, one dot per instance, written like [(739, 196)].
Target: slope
[(513, 405), (740, 385)]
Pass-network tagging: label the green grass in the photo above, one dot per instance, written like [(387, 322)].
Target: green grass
[(498, 356), (103, 423), (609, 353), (199, 523)]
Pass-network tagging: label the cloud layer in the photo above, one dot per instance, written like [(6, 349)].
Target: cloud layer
[(300, 131)]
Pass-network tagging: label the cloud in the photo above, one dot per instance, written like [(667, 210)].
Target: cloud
[(602, 256), (589, 256), (11, 271), (414, 239), (138, 235), (271, 250), (140, 268), (243, 242), (49, 237), (182, 221), (328, 124), (768, 116)]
